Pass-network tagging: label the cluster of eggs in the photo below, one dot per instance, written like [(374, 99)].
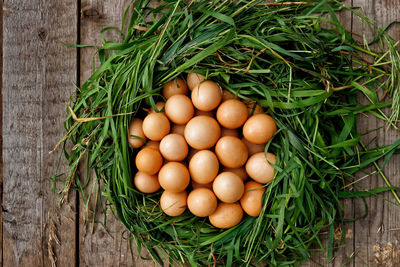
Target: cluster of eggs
[(195, 154)]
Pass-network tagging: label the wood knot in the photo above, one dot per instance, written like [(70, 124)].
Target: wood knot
[(90, 12), (42, 33)]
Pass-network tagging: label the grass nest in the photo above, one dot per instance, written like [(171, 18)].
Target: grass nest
[(298, 62)]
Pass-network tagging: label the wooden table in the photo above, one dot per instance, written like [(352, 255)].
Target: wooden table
[(38, 74)]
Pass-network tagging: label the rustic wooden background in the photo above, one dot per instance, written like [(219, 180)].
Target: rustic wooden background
[(38, 74)]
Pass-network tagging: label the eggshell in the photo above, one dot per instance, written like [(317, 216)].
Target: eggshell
[(193, 79), (232, 114), (202, 202), (179, 109), (203, 167), (197, 185), (226, 215), (259, 128), (206, 96), (202, 132), (173, 203), (178, 129), (204, 113), (148, 160), (231, 152), (226, 95), (173, 147), (241, 172), (146, 183), (135, 131), (258, 168), (254, 109), (153, 144), (174, 177), (192, 152), (229, 132), (251, 199), (160, 105), (156, 126), (253, 148), (175, 87), (228, 187)]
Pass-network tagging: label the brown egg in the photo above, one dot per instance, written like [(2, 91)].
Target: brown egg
[(251, 199), (226, 215), (156, 126), (146, 183), (231, 152), (226, 95), (178, 129), (136, 136), (148, 160), (259, 169), (192, 152), (193, 79), (254, 109), (206, 96), (197, 185), (241, 172), (203, 167), (179, 109), (202, 132), (175, 87), (173, 203), (153, 144), (204, 113), (202, 202), (232, 114), (259, 128), (173, 147), (174, 177), (160, 107), (229, 132), (253, 148), (228, 187)]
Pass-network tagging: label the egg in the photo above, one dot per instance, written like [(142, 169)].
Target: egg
[(175, 87), (192, 152), (202, 132), (197, 185), (136, 136), (173, 203), (153, 144), (231, 152), (226, 95), (241, 172), (178, 129), (173, 147), (174, 177), (193, 79), (204, 113), (259, 128), (160, 105), (206, 96), (232, 114), (203, 167), (253, 108), (146, 183), (228, 187), (156, 126), (148, 160), (179, 109), (229, 132), (251, 199), (258, 168), (202, 202), (226, 215), (253, 148)]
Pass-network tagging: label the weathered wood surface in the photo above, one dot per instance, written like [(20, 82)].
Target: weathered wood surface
[(38, 75)]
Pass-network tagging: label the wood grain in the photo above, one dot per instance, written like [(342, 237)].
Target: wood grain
[(38, 72)]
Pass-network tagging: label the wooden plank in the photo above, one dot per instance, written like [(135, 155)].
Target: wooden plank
[(38, 72), (96, 246), (375, 243)]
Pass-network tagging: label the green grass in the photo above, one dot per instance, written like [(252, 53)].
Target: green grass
[(304, 75)]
